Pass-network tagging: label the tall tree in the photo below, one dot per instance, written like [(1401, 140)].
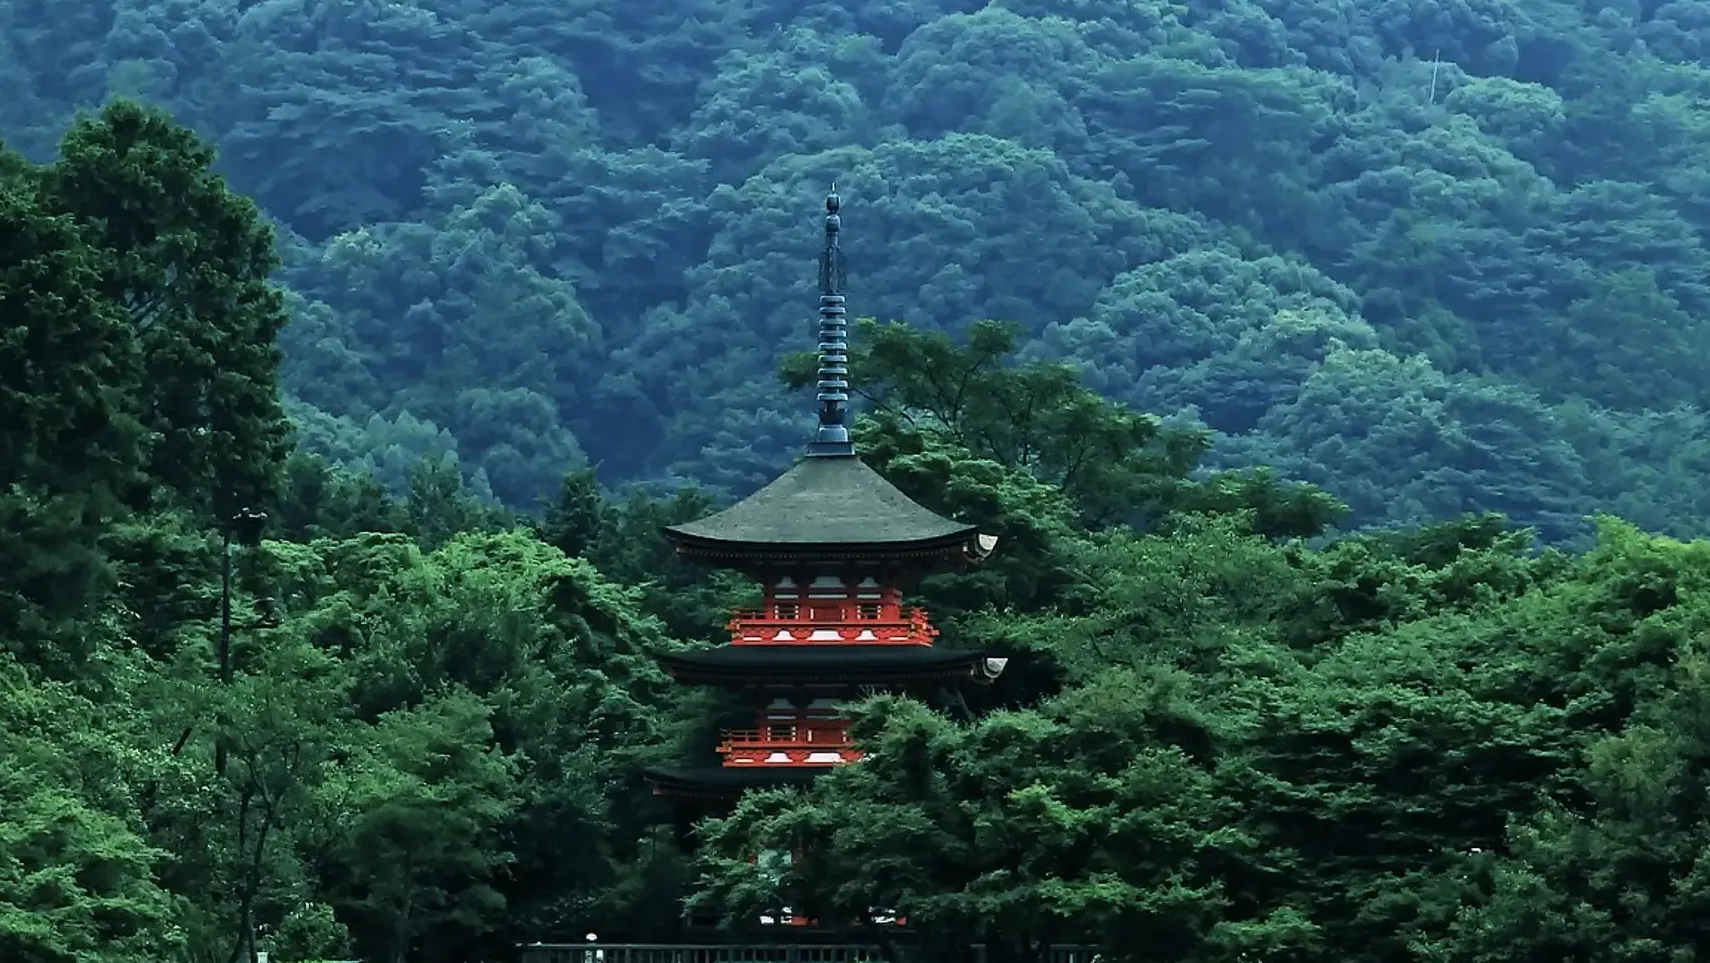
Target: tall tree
[(70, 441), (188, 261)]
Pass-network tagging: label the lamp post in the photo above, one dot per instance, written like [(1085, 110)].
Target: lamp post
[(246, 528)]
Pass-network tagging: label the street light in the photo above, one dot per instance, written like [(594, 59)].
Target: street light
[(245, 527)]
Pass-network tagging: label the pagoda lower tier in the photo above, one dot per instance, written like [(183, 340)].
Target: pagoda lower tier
[(799, 731)]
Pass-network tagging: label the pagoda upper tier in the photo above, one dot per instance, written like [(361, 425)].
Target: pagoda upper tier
[(831, 511)]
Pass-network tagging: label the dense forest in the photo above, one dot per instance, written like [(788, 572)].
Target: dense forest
[(1331, 375), (1432, 256)]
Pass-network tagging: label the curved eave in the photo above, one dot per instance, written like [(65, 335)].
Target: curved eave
[(701, 668), (722, 784), (967, 547)]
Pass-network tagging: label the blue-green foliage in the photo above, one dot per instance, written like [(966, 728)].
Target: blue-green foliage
[(1431, 256)]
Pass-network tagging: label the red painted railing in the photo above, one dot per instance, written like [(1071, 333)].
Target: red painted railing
[(753, 627), (755, 747), (822, 736)]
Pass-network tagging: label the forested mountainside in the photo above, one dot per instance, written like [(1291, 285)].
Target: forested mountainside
[(1432, 256), (1419, 259), (1217, 740)]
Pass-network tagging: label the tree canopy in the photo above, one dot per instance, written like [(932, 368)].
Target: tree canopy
[(506, 230), (1287, 347)]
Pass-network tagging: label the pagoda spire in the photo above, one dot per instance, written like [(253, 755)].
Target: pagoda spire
[(832, 438)]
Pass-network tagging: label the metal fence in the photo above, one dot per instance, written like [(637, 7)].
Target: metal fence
[(697, 953), (739, 953)]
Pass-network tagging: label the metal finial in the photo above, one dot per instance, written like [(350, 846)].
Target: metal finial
[(832, 437)]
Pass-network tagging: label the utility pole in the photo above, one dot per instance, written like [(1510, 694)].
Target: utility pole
[(246, 527)]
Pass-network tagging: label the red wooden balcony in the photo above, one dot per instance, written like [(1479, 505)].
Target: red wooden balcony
[(790, 747), (754, 627)]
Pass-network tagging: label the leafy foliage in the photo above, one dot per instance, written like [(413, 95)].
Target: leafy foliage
[(1129, 252), (507, 231)]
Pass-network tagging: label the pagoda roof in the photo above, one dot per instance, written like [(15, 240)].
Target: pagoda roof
[(825, 663), (728, 782), (835, 505)]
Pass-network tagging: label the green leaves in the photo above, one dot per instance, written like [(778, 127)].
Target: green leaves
[(72, 442), (534, 234), (477, 299), (77, 881), (1035, 418), (1433, 742), (420, 803), (188, 262), (1020, 830)]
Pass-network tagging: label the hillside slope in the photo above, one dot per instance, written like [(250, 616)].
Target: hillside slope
[(1432, 256)]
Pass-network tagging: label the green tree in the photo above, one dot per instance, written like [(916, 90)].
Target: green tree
[(188, 262), (1113, 463), (72, 446), (77, 881), (416, 812)]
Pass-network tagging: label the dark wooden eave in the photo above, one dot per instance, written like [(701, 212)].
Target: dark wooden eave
[(725, 783), (827, 664), (833, 509)]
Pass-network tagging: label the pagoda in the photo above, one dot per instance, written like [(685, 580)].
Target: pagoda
[(833, 544)]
